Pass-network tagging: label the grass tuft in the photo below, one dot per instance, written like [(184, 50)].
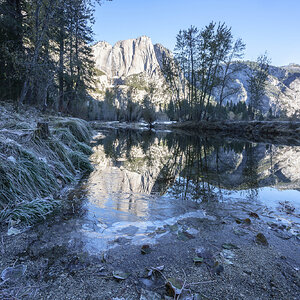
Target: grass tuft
[(79, 128), (38, 169), (30, 212), (80, 161)]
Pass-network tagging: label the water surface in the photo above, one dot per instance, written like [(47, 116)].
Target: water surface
[(144, 182)]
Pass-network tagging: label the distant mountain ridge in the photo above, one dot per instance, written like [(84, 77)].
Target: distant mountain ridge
[(141, 60)]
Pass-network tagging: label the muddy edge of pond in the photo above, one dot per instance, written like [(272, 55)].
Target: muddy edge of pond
[(234, 255), (286, 132)]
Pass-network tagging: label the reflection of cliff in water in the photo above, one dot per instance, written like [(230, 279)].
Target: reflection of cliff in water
[(130, 166), (143, 163)]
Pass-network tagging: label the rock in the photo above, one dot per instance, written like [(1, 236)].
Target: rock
[(145, 249), (13, 273), (247, 221), (261, 239), (139, 56), (127, 57), (254, 215)]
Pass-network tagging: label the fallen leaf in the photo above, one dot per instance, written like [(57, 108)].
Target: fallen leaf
[(247, 221), (119, 275), (174, 286), (261, 239), (155, 269)]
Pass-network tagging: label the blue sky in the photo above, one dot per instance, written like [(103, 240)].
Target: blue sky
[(264, 25)]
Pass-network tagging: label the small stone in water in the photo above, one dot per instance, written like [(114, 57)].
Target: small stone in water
[(145, 249), (254, 215), (261, 239), (247, 221)]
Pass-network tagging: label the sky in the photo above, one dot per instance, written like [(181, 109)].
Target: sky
[(264, 25)]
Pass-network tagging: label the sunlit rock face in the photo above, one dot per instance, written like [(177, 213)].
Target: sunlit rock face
[(282, 90), (134, 63), (127, 57)]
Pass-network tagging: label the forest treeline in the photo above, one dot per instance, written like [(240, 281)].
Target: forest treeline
[(45, 53), (201, 81), (46, 60), (202, 72)]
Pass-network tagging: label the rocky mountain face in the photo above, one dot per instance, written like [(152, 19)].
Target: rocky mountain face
[(127, 58), (135, 66), (282, 91)]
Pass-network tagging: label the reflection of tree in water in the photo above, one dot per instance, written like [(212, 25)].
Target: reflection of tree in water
[(250, 171), (193, 181), (196, 168)]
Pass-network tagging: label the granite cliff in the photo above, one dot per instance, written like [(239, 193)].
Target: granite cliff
[(135, 66), (282, 91)]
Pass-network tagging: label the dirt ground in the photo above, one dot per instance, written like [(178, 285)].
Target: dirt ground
[(231, 255)]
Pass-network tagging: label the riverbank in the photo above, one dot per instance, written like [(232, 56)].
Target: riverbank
[(252, 130), (279, 132), (41, 157)]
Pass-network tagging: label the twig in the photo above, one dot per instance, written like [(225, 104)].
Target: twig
[(184, 283), (15, 262), (209, 281)]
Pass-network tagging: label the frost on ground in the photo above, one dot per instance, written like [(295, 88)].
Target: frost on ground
[(34, 168)]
